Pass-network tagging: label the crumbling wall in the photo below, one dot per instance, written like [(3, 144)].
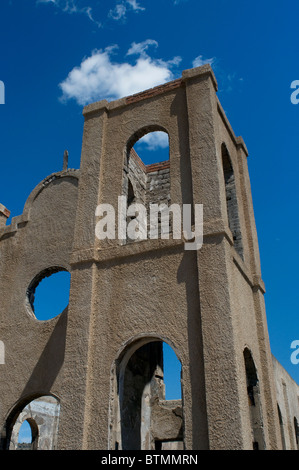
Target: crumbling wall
[(148, 185)]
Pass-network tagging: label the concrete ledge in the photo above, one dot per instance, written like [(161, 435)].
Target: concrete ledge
[(200, 72), (204, 70), (95, 107)]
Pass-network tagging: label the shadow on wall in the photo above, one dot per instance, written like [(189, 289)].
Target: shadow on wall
[(43, 375), (50, 361)]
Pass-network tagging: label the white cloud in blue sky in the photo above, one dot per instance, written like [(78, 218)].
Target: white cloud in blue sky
[(71, 6), (135, 5), (141, 47), (121, 8), (199, 61), (99, 77), (117, 12), (154, 140)]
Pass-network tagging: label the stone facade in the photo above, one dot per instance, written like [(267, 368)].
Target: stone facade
[(101, 358), (287, 405)]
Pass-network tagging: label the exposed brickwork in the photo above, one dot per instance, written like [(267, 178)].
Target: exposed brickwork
[(158, 166), (149, 168), (147, 184), (158, 90), (134, 155), (4, 214), (4, 211), (136, 174)]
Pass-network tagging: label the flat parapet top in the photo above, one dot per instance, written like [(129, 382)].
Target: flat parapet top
[(151, 92)]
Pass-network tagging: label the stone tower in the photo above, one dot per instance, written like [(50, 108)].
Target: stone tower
[(102, 357)]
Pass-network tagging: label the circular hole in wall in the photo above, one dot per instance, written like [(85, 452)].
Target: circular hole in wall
[(48, 294)]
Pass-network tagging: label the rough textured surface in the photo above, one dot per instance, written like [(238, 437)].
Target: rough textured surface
[(127, 298), (287, 403), (42, 414)]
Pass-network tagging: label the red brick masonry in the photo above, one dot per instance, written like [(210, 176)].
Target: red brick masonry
[(149, 168)]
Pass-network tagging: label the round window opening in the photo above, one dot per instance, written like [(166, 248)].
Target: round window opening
[(48, 293)]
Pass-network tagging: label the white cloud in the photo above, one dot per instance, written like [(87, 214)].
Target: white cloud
[(71, 6), (199, 61), (140, 47), (135, 5), (98, 77), (121, 8), (118, 12), (154, 140)]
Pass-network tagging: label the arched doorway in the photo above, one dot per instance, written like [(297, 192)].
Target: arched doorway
[(144, 418), (39, 419)]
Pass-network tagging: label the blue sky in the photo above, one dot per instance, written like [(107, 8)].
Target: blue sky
[(57, 55)]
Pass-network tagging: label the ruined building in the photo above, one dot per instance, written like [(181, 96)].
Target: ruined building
[(92, 376)]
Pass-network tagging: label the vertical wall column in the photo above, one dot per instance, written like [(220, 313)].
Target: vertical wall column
[(266, 372), (74, 397), (218, 328), (92, 147)]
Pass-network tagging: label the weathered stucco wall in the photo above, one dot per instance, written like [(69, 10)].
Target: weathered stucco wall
[(207, 304), (287, 392), (38, 240)]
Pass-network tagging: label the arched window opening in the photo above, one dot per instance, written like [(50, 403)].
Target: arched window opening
[(296, 429), (171, 374), (147, 176), (28, 435), (147, 419), (33, 426), (231, 200), (254, 403), (283, 442), (48, 293), (153, 147)]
